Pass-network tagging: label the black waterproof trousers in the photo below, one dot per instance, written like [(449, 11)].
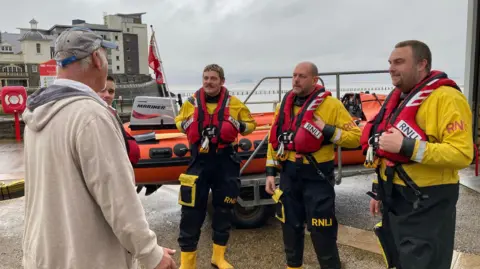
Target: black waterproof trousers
[(421, 237), (308, 197), (218, 171)]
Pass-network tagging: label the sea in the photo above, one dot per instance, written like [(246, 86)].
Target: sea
[(267, 92), (262, 95)]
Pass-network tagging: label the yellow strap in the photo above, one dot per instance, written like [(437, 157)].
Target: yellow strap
[(187, 180), (276, 195)]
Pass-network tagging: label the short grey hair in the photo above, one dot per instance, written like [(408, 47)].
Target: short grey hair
[(86, 62)]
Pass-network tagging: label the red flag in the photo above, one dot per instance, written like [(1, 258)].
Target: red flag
[(153, 61)]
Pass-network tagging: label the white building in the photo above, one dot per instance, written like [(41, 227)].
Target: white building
[(134, 40), (20, 54)]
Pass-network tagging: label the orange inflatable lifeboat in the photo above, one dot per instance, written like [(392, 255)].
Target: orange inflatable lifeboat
[(164, 151)]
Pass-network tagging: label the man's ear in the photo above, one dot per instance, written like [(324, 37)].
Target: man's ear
[(422, 65), (97, 59)]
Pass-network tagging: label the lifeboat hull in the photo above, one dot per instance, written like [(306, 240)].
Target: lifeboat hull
[(162, 163)]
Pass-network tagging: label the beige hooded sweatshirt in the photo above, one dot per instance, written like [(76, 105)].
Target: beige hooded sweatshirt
[(81, 207)]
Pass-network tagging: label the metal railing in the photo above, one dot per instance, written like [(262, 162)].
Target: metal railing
[(14, 74), (338, 178)]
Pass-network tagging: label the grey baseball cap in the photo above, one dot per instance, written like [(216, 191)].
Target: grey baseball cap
[(77, 43)]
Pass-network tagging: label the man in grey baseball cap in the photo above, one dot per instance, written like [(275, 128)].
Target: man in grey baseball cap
[(81, 207), (77, 43)]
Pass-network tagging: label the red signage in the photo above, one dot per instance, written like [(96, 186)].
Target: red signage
[(48, 69)]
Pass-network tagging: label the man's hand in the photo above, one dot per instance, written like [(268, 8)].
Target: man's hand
[(167, 261), (375, 207), (319, 122), (270, 185), (391, 141)]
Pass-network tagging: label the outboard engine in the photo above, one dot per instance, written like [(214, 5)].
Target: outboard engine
[(149, 112)]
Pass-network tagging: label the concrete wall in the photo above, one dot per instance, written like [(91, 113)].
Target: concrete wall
[(117, 37), (117, 22), (29, 50), (130, 52), (11, 58), (141, 31), (7, 128), (472, 64), (33, 75)]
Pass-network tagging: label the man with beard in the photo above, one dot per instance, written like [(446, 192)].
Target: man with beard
[(418, 142), (307, 125), (212, 120)]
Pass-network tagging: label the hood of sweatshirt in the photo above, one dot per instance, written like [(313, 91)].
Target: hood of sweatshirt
[(45, 103)]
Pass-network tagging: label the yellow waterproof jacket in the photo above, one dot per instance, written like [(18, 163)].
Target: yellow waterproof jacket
[(345, 132), (446, 118), (238, 111)]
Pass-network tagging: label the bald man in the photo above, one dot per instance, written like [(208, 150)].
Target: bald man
[(301, 148)]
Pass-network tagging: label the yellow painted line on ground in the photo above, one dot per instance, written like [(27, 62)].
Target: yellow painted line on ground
[(12, 176), (358, 238), (466, 261), (366, 240)]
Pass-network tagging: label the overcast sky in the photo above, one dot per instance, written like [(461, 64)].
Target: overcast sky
[(251, 39)]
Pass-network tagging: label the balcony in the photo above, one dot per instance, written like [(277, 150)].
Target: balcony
[(14, 75)]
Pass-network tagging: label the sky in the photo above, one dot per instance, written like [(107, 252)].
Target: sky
[(252, 39)]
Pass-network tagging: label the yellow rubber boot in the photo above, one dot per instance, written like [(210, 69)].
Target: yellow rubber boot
[(218, 257), (188, 260)]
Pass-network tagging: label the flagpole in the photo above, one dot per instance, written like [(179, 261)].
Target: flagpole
[(163, 71), (156, 52)]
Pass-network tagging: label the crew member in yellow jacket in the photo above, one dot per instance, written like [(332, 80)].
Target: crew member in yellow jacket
[(419, 140), (212, 120), (307, 125)]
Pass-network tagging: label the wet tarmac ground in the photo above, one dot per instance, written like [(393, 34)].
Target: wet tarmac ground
[(11, 160), (254, 248)]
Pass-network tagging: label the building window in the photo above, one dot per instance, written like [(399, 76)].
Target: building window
[(34, 69), (128, 29), (39, 50), (6, 48), (118, 68), (118, 58), (127, 39), (128, 58), (128, 49), (116, 37), (11, 69)]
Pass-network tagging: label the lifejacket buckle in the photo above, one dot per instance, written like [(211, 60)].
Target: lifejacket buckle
[(370, 159), (285, 137), (281, 154), (204, 145), (209, 132)]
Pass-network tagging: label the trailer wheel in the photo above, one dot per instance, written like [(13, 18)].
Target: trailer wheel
[(251, 217), (246, 218)]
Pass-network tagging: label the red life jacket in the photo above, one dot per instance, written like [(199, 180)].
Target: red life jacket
[(220, 128), (403, 117), (133, 150), (298, 133), (131, 145)]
